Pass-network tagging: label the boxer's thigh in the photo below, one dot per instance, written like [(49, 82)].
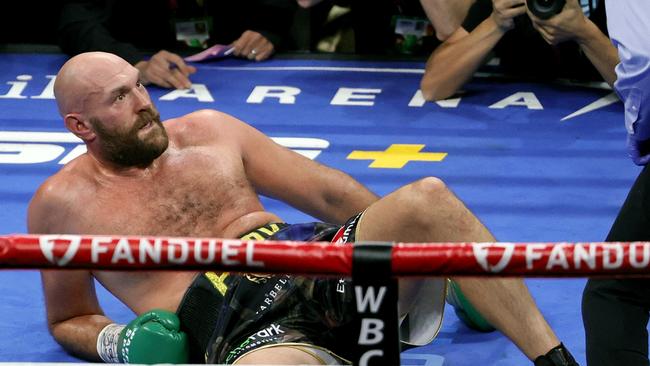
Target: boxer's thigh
[(423, 211), (410, 213), (279, 355)]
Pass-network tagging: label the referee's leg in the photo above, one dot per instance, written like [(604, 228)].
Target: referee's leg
[(615, 316), (615, 311)]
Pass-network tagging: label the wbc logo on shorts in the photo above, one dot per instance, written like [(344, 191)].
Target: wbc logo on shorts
[(483, 251), (59, 249)]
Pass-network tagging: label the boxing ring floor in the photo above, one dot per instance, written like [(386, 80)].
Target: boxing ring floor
[(534, 161)]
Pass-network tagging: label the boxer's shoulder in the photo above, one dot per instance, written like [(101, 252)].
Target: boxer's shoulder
[(56, 198), (72, 177), (203, 127)]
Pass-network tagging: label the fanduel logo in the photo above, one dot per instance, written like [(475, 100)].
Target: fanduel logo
[(52, 245), (482, 253)]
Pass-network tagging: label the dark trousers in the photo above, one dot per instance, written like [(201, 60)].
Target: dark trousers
[(615, 311)]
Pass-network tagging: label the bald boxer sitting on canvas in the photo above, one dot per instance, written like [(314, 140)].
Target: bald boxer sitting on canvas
[(200, 175)]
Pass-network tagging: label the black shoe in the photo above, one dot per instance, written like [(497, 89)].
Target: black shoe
[(558, 356)]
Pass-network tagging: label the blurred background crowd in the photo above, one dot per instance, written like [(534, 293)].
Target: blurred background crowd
[(155, 34)]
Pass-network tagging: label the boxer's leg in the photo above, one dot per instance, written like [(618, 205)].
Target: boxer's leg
[(278, 355), (427, 211)]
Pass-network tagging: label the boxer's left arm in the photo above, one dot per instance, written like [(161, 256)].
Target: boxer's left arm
[(323, 192), (275, 171)]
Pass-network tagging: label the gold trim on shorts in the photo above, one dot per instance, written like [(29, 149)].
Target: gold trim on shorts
[(260, 233)]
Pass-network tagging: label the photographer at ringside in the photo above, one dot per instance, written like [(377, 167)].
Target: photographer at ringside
[(526, 44)]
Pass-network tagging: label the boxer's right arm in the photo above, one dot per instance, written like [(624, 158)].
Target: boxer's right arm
[(74, 316), (76, 320)]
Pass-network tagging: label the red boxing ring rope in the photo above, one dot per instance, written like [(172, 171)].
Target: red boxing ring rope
[(320, 258)]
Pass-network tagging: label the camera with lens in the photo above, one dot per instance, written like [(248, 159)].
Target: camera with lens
[(545, 9)]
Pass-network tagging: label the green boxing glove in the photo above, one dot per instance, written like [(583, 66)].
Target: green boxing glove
[(153, 337)]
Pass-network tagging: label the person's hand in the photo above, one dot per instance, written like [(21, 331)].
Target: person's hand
[(166, 69), (253, 46), (637, 121), (639, 150), (308, 3), (504, 12), (569, 24)]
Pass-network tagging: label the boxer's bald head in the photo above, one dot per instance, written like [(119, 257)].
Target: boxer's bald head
[(103, 102), (84, 75)]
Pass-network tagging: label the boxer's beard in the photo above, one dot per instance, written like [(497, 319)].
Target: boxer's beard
[(126, 148)]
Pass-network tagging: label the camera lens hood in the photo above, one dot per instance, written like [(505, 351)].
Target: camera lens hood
[(545, 9)]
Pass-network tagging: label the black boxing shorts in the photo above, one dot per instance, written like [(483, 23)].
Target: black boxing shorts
[(309, 314), (227, 316), (201, 305)]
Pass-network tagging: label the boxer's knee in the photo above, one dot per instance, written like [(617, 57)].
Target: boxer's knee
[(421, 196), (433, 205)]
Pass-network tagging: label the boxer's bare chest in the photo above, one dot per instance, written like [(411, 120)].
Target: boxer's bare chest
[(193, 193)]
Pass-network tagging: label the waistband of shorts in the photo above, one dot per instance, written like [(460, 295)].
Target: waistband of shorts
[(263, 232)]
